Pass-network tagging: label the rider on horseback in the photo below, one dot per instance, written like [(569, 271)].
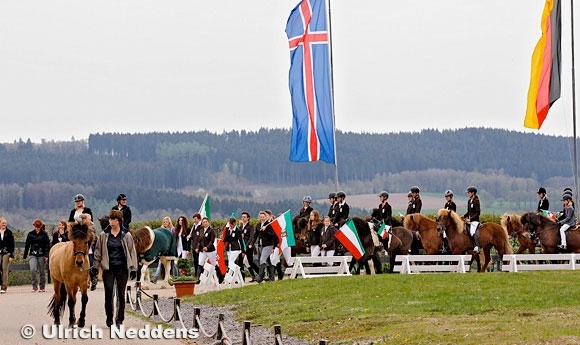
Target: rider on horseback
[(568, 221), (472, 215), (449, 205), (306, 208)]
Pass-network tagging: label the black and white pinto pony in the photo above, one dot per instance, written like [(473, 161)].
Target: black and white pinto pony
[(150, 246)]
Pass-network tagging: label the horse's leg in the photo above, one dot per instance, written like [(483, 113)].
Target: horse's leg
[(487, 256), (55, 303), (167, 266), (72, 299), (84, 301), (392, 257), (144, 279)]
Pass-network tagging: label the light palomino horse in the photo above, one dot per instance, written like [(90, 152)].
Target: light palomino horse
[(69, 270), (490, 235), (151, 245), (512, 223), (427, 228)]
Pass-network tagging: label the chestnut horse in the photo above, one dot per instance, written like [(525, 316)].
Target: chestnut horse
[(548, 232), (490, 235), (427, 228), (69, 270), (512, 223)]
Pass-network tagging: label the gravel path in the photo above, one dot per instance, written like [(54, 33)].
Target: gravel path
[(232, 329)]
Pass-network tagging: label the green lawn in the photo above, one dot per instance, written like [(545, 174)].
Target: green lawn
[(490, 308)]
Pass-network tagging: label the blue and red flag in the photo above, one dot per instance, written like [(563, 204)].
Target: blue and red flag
[(310, 82)]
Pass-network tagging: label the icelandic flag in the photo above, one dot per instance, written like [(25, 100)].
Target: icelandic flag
[(205, 210), (383, 231), (282, 226), (310, 83), (348, 236)]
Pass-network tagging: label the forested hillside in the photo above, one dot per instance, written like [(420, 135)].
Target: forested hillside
[(173, 170)]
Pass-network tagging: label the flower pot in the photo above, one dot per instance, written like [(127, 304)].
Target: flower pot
[(184, 288)]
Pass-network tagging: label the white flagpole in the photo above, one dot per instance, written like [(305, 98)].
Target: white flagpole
[(332, 93)]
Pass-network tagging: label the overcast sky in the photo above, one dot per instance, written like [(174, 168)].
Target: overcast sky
[(70, 68)]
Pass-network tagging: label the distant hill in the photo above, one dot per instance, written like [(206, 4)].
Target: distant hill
[(170, 172)]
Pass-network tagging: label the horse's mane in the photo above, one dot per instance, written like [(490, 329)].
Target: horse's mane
[(459, 223), (81, 231), (510, 218), (418, 218), (143, 239)]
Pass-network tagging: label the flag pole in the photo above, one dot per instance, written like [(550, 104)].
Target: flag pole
[(332, 93), (574, 104)]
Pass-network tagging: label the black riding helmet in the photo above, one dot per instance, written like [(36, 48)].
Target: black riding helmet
[(384, 194), (341, 194), (542, 190), (471, 189), (415, 189), (332, 195)]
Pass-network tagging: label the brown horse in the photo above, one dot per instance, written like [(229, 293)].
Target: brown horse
[(364, 233), (300, 226), (69, 271), (490, 235), (548, 232), (512, 223), (427, 228), (398, 242)]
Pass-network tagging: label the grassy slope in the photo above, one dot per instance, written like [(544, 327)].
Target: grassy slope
[(490, 308)]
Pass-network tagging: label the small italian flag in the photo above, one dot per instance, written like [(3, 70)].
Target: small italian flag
[(282, 226), (348, 236), (205, 209), (549, 214), (384, 231)]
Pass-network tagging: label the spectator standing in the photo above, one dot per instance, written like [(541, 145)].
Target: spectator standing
[(314, 228), (167, 224), (37, 245), (6, 252), (122, 206), (181, 234), (327, 240), (115, 254), (61, 234)]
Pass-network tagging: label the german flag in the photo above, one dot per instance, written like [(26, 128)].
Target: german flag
[(546, 59)]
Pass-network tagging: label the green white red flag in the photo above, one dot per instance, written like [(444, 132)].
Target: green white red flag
[(205, 209), (282, 226), (383, 231), (348, 236)]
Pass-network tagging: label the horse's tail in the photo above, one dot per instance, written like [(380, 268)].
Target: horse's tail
[(53, 305), (507, 246)]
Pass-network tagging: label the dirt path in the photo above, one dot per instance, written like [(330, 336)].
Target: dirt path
[(23, 310)]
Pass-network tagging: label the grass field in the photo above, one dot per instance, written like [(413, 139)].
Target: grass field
[(489, 308)]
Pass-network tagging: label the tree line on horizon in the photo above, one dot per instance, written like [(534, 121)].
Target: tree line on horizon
[(160, 170)]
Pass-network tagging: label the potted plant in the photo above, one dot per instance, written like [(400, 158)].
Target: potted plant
[(185, 282)]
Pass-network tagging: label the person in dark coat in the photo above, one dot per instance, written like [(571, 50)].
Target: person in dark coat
[(449, 203), (38, 246), (6, 252), (327, 239), (194, 238), (61, 234), (122, 206), (543, 203), (342, 210), (472, 214), (247, 252)]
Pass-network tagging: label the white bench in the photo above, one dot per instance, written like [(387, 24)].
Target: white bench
[(432, 263), (536, 262), (328, 269)]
